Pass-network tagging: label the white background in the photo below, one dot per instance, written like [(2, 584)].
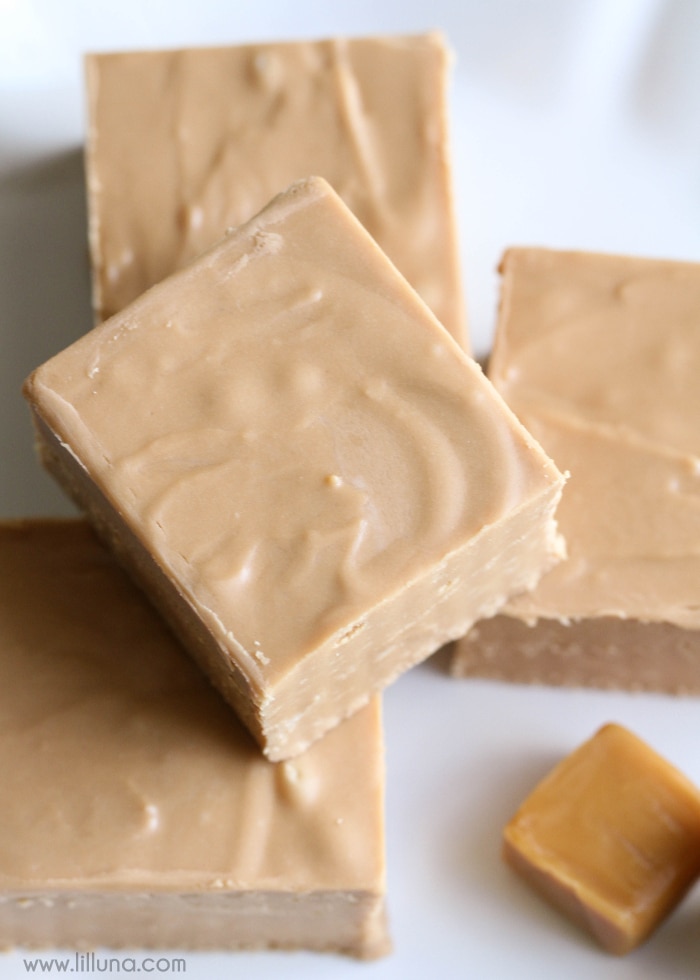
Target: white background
[(575, 123)]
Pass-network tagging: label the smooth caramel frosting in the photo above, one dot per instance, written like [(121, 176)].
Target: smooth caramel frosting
[(598, 355), (184, 144), (125, 774), (306, 454), (611, 836)]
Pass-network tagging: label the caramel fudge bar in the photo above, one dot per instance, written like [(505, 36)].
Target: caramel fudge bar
[(599, 356), (184, 144), (137, 812), (304, 470), (611, 837)]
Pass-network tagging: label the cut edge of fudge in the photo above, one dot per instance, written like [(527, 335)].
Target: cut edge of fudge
[(230, 921), (602, 652)]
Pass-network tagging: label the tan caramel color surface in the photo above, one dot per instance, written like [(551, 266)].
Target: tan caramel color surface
[(136, 810), (599, 356), (185, 144), (300, 464), (611, 836)]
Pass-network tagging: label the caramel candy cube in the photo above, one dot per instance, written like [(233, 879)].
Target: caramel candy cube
[(136, 811), (611, 837), (183, 144), (301, 466)]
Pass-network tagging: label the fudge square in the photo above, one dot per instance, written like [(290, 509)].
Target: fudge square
[(599, 356), (305, 471), (611, 837), (137, 811), (183, 144)]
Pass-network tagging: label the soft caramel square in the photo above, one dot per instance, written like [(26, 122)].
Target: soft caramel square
[(611, 837)]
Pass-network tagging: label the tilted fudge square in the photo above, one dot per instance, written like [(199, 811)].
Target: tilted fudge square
[(611, 836), (183, 144), (137, 811), (301, 466), (599, 356)]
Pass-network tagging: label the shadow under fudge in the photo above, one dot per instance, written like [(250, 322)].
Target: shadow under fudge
[(44, 305)]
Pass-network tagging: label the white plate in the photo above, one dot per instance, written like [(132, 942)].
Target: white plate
[(574, 125)]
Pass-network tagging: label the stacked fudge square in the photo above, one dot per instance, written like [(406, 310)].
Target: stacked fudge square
[(300, 469)]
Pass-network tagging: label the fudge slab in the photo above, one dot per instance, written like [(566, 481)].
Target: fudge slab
[(300, 464), (599, 356), (183, 144), (137, 811), (611, 837)]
